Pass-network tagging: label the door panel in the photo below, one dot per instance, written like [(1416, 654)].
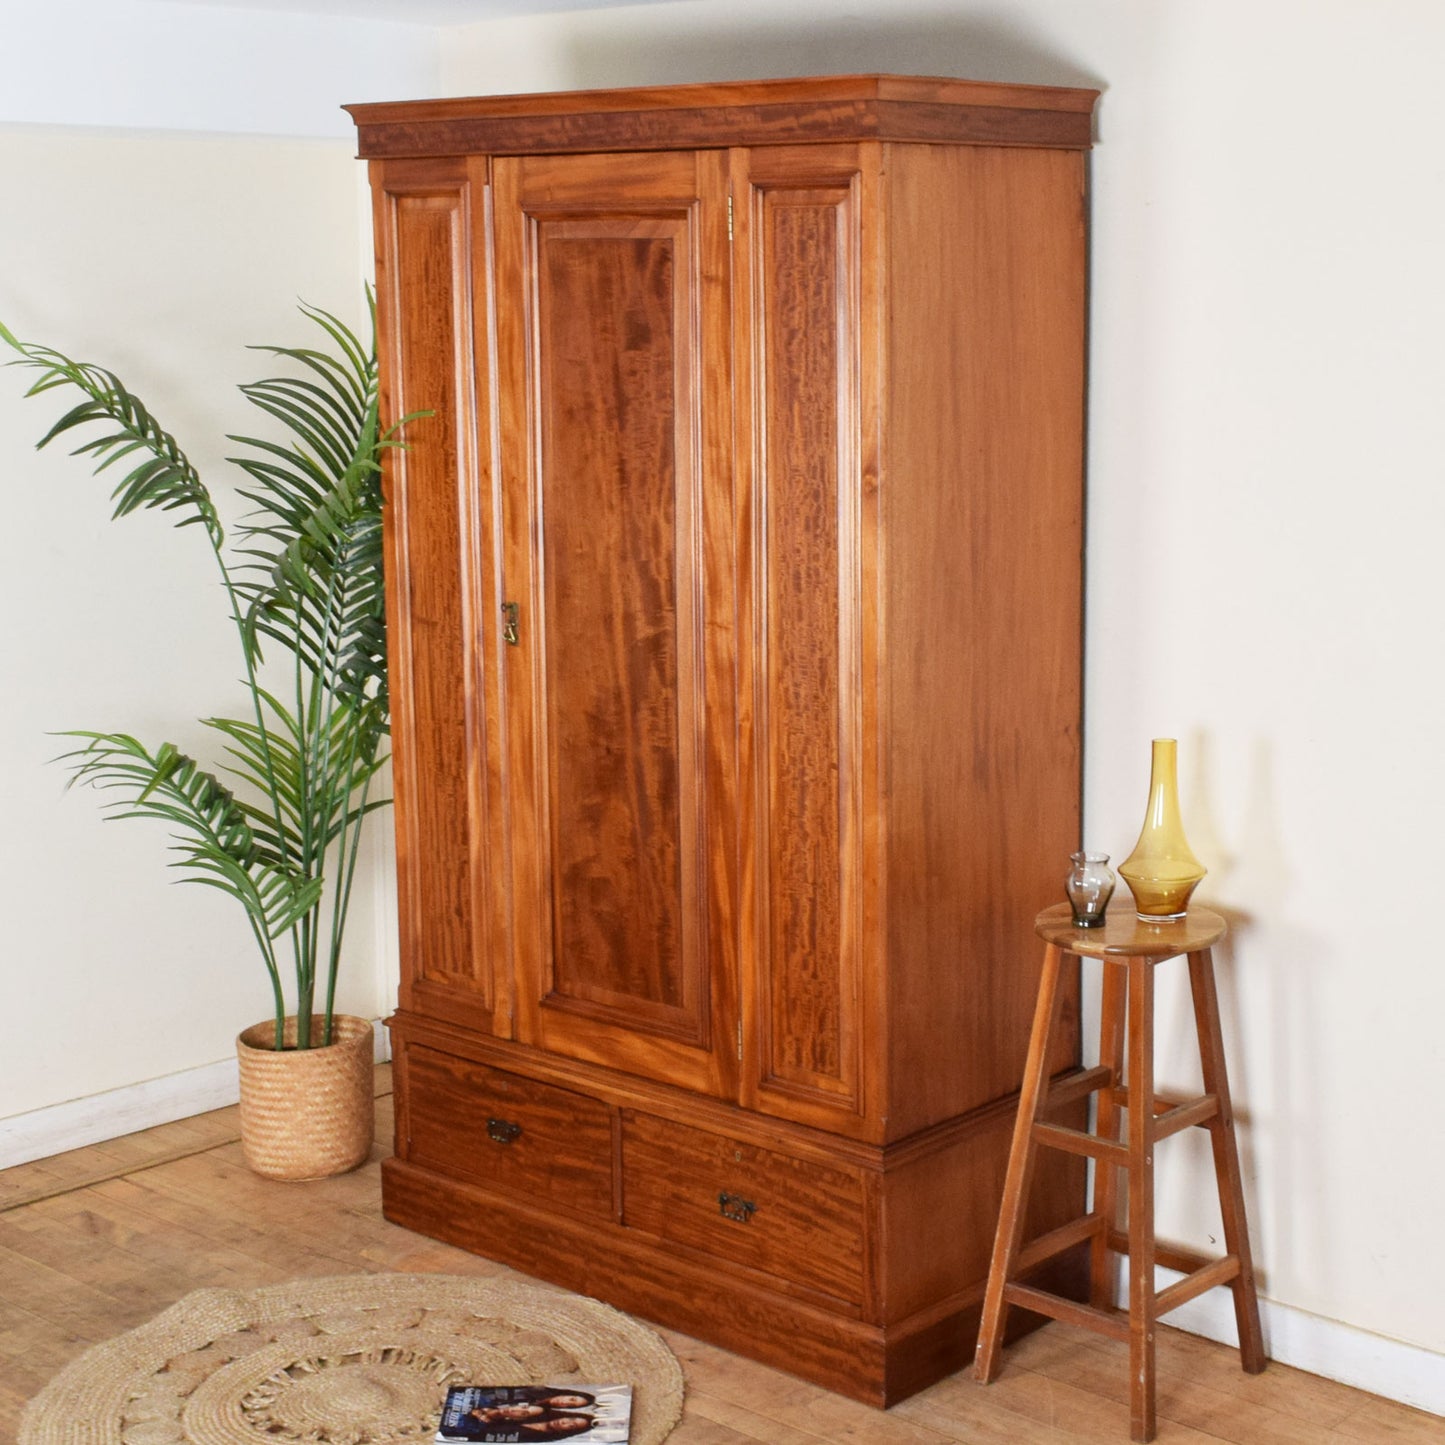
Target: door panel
[(615, 491), (428, 215), (618, 554), (798, 320)]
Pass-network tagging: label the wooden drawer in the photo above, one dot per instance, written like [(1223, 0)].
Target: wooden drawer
[(792, 1219), (500, 1130)]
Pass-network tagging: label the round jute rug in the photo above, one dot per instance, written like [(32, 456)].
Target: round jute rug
[(355, 1360)]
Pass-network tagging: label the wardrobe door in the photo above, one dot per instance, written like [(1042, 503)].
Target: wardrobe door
[(805, 299), (611, 275), (430, 223)]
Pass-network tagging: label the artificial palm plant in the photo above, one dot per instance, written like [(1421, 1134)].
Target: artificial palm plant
[(304, 574)]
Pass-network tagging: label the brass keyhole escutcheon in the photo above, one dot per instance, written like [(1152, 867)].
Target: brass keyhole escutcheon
[(509, 623)]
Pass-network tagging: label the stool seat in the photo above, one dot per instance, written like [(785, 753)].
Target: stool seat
[(1130, 948), (1126, 935)]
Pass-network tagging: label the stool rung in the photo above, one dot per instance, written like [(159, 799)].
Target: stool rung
[(1075, 1141), (1077, 1086), (1163, 1103), (1114, 1323), (1181, 1116), (1056, 1241), (1171, 1256), (1220, 1271)]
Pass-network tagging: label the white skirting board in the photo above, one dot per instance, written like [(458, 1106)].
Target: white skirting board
[(1392, 1368), (93, 1120)]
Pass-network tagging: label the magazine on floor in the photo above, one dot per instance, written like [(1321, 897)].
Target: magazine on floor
[(509, 1414)]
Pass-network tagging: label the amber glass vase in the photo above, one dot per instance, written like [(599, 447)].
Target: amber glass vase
[(1162, 871)]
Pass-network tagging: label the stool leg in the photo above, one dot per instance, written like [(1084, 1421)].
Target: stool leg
[(1226, 1159), (1140, 1064), (1020, 1166), (1106, 1126)]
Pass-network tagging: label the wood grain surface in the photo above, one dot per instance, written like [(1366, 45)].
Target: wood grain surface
[(804, 251), (779, 112), (618, 702), (1126, 935), (787, 1217), (982, 607), (508, 1132), (611, 297), (774, 450), (424, 307)]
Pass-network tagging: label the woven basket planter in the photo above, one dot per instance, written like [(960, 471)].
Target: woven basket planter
[(306, 1113)]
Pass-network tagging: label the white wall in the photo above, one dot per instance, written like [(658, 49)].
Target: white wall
[(1266, 495), (1267, 500), (166, 66), (209, 184), (115, 974)]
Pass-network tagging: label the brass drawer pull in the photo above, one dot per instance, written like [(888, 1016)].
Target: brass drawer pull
[(734, 1206), (503, 1130)]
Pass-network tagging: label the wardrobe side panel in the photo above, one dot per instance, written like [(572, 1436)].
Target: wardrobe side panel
[(983, 502)]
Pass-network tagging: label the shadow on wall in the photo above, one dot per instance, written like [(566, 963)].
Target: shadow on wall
[(997, 49), (1268, 982)]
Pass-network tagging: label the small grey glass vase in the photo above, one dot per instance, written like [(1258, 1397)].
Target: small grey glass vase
[(1089, 886)]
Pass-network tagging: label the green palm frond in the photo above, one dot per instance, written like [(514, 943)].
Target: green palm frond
[(307, 576), (162, 477), (314, 580), (273, 761), (214, 839), (272, 764)]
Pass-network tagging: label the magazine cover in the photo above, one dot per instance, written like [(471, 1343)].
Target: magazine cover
[(506, 1414)]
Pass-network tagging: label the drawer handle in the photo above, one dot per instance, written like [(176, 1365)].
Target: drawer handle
[(503, 1130), (735, 1207)]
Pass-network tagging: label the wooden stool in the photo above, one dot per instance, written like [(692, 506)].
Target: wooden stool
[(1130, 948)]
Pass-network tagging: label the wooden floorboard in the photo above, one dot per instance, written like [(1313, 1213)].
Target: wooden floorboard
[(96, 1241)]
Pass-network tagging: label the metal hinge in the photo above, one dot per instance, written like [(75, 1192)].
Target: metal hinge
[(730, 236), (740, 1041)]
